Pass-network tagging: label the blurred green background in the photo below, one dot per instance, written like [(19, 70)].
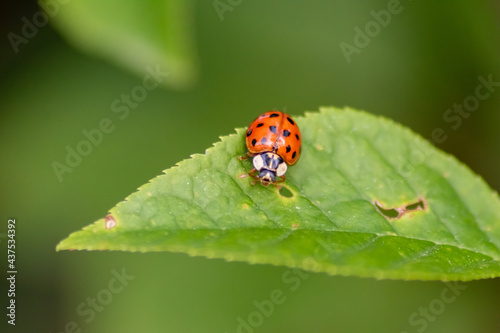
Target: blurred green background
[(263, 55)]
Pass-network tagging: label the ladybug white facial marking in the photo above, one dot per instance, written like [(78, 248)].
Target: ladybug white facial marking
[(281, 170), (258, 162)]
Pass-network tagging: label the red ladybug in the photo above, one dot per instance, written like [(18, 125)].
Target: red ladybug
[(274, 141)]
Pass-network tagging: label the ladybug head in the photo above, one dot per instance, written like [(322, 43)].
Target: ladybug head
[(267, 176), (270, 166)]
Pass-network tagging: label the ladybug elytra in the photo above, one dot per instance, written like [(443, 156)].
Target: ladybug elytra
[(274, 141)]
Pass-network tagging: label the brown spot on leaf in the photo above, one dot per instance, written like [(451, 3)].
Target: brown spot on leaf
[(109, 221)]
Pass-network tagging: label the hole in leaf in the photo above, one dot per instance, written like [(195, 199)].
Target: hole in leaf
[(416, 206), (390, 213), (398, 212), (285, 192)]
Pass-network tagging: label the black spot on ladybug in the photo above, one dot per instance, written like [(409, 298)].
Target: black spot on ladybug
[(260, 125), (249, 132), (288, 148), (290, 120), (294, 154), (263, 140), (254, 142), (297, 136), (274, 115), (286, 133), (273, 129)]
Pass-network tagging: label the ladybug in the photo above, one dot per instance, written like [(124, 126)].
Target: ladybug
[(274, 141)]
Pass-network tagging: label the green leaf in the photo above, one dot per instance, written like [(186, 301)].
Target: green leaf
[(136, 34), (368, 198)]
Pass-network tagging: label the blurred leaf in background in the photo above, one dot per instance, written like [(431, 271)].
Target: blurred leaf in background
[(263, 55), (134, 34)]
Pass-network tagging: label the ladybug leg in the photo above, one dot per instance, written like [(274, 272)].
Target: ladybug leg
[(276, 182), (281, 180), (252, 173), (246, 156)]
